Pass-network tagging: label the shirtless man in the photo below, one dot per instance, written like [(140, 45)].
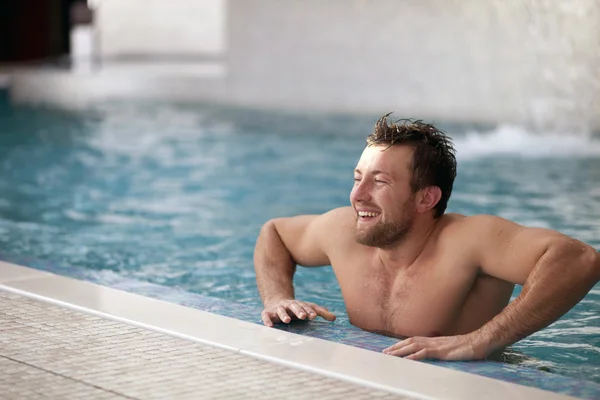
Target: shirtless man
[(406, 269)]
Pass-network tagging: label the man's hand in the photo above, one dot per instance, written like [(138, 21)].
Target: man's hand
[(286, 310), (450, 348)]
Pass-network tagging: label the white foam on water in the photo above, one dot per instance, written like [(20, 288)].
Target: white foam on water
[(515, 141)]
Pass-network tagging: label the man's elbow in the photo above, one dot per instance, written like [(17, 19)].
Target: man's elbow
[(586, 257), (265, 234), (592, 259), (269, 226)]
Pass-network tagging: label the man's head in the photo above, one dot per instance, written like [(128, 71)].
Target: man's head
[(407, 169)]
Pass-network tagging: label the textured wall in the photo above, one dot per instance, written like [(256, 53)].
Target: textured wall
[(531, 62), (186, 29)]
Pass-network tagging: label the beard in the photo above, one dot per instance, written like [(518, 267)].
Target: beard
[(390, 233)]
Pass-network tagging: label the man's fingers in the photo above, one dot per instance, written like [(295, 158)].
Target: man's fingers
[(283, 315), (298, 310), (315, 306), (325, 313), (415, 349), (419, 355), (288, 310), (402, 351), (322, 312), (398, 346), (328, 316), (309, 311), (266, 318)]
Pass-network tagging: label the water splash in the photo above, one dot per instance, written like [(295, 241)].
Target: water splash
[(508, 140)]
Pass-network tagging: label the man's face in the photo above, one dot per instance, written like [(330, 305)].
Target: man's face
[(381, 196)]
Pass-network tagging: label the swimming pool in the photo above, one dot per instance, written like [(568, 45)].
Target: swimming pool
[(176, 195)]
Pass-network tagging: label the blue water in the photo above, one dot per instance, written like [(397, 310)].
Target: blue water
[(176, 195)]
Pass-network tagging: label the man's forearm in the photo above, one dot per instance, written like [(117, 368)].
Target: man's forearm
[(560, 279), (273, 265)]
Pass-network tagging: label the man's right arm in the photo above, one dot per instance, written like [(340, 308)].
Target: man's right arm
[(282, 244)]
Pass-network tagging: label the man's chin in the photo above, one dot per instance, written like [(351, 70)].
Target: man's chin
[(376, 239), (365, 240)]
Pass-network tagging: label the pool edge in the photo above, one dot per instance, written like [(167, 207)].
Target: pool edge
[(351, 364)]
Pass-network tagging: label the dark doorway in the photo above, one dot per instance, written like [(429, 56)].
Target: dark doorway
[(33, 30)]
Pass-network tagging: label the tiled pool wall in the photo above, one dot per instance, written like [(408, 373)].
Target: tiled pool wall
[(352, 336)]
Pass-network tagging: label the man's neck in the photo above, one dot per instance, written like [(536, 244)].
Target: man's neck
[(405, 253)]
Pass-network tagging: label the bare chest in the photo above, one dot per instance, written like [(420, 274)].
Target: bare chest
[(423, 301)]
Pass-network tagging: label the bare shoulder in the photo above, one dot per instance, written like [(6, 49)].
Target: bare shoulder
[(462, 239), (483, 237), (463, 227), (472, 233), (501, 232), (327, 228), (336, 232), (340, 242), (339, 224), (509, 251), (312, 239), (341, 218)]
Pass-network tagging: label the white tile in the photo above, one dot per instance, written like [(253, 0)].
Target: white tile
[(405, 377), (151, 313), (11, 272)]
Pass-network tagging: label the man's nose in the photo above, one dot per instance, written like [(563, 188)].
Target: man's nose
[(360, 192)]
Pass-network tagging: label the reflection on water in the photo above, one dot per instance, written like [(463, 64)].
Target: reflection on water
[(177, 195)]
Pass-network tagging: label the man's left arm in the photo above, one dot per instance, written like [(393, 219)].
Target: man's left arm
[(556, 273)]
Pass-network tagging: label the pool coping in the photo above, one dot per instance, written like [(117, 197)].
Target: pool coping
[(348, 363)]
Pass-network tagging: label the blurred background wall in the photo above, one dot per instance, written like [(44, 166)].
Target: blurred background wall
[(529, 62), (533, 62), (158, 29)]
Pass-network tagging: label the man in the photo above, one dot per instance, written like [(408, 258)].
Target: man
[(407, 269)]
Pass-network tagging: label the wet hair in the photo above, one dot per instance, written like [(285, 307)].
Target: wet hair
[(433, 161)]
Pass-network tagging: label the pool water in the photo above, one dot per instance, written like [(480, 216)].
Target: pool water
[(176, 195)]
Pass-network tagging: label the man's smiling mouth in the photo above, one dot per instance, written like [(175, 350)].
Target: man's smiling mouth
[(367, 214)]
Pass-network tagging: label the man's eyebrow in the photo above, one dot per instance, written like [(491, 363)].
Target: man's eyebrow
[(374, 172)]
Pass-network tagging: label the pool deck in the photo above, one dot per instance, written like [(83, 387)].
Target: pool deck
[(65, 338), (53, 352)]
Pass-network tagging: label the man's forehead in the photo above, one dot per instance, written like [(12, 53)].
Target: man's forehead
[(385, 158)]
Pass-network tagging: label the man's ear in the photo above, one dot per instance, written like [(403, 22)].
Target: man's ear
[(428, 198)]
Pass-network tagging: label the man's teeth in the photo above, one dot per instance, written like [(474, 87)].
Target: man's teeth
[(367, 214)]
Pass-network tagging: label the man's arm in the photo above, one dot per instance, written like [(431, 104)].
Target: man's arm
[(282, 244), (556, 273)]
